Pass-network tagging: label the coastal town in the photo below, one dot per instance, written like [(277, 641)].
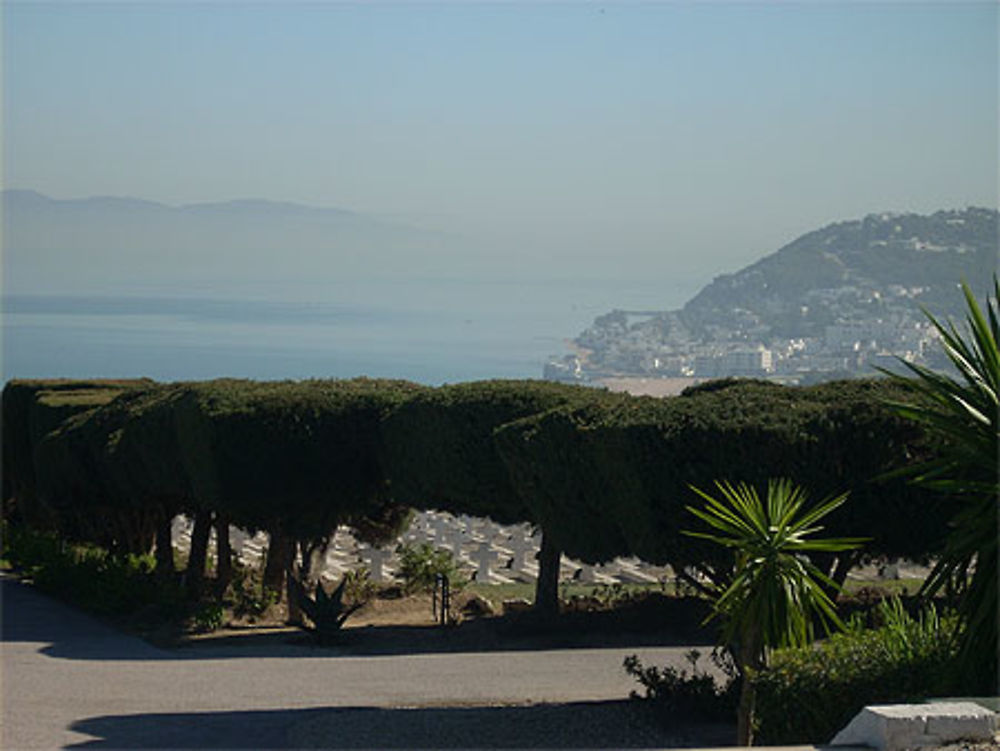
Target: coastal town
[(841, 302), (624, 343)]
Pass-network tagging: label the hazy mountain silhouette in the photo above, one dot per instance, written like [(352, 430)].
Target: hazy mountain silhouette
[(50, 243)]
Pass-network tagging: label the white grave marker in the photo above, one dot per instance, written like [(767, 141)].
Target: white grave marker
[(485, 556), (375, 559)]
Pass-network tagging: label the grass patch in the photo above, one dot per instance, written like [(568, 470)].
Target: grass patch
[(901, 587), (84, 397), (497, 593)]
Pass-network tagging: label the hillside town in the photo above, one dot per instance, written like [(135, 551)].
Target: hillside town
[(839, 302), (618, 344)]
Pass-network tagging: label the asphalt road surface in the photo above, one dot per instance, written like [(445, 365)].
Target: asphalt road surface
[(71, 681)]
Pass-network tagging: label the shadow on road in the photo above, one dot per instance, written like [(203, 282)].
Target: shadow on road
[(611, 724), (27, 615), (67, 633), (482, 635)]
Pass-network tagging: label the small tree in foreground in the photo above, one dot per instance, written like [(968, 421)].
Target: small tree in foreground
[(775, 594)]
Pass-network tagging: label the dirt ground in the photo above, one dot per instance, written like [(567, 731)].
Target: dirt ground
[(393, 625)]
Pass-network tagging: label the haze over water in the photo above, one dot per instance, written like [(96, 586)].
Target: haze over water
[(430, 332), (560, 159)]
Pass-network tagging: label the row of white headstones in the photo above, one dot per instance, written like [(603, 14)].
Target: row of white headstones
[(483, 550)]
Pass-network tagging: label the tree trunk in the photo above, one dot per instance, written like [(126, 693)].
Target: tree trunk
[(296, 575), (276, 562), (547, 587), (194, 577), (224, 556), (845, 562), (744, 714), (751, 659), (164, 548)]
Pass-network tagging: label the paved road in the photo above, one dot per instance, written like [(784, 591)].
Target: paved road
[(69, 680)]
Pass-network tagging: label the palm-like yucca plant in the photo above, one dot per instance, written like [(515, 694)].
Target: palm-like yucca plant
[(327, 611), (776, 594), (963, 411)]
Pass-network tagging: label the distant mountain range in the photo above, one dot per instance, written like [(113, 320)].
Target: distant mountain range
[(49, 242), (834, 300)]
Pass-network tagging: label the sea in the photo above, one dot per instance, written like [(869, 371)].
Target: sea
[(431, 331)]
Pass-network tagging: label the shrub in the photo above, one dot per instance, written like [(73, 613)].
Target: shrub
[(808, 694), (250, 599), (419, 566), (359, 587), (90, 577), (327, 611), (678, 694), (208, 617), (26, 549)]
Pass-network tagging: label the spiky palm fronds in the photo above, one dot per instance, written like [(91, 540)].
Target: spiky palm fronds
[(775, 589), (963, 411), (776, 593)]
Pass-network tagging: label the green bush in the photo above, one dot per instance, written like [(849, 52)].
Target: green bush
[(807, 695), (359, 587), (95, 580), (250, 599), (678, 694), (208, 617), (25, 549), (419, 566), (88, 576)]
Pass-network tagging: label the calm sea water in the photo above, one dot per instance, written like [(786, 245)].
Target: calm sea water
[(431, 331)]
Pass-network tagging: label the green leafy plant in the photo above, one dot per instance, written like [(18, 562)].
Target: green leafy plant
[(359, 587), (121, 586), (25, 549), (250, 599), (615, 595), (208, 617), (420, 565), (775, 593), (328, 612), (678, 693), (807, 694), (964, 412)]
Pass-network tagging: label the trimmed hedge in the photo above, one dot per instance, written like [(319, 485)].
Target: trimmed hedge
[(300, 454), (31, 409), (439, 444), (602, 474), (616, 473), (114, 473)]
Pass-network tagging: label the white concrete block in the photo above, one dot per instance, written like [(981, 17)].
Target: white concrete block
[(952, 727), (905, 726)]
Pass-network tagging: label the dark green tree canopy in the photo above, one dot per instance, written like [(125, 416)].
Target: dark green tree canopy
[(604, 474), (617, 472), (299, 454), (32, 409), (440, 451)]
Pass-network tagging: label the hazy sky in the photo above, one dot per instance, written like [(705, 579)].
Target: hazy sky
[(685, 136)]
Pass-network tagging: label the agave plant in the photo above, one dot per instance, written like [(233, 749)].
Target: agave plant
[(326, 611), (963, 412), (776, 594)]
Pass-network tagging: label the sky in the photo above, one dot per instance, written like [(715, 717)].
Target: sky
[(655, 138)]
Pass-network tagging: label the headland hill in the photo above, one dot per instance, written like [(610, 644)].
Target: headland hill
[(837, 302)]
